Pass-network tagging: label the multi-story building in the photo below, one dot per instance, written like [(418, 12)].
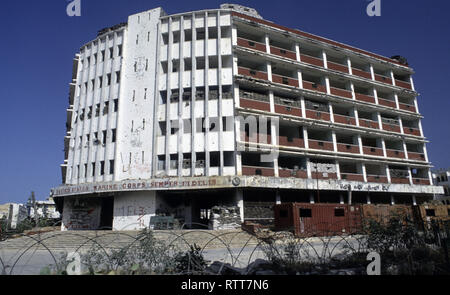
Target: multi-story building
[(173, 114), (441, 178)]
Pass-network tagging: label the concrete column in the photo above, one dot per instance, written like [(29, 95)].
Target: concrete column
[(311, 198), (267, 41), (341, 199), (300, 79), (414, 200), (368, 199), (352, 89), (269, 71), (305, 137), (330, 109), (410, 176), (396, 101), (380, 122), (338, 170), (400, 122), (412, 83), (405, 149), (383, 145), (349, 194), (239, 201), (278, 198), (308, 168), (302, 103), (333, 136), (388, 174), (297, 52), (392, 200), (361, 150), (372, 72), (364, 172), (325, 60), (327, 84), (349, 64), (356, 114), (391, 74)]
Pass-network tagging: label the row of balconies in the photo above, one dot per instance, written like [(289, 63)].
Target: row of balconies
[(344, 68), (325, 145), (303, 174), (317, 87), (264, 105)]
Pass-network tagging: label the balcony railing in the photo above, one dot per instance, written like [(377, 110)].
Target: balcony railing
[(294, 142), (344, 119), (361, 73), (352, 177), (314, 86), (283, 52), (323, 175), (369, 124), (284, 80), (255, 170), (377, 178), (400, 180), (386, 102), (348, 148), (283, 172), (421, 181), (392, 128), (254, 104), (317, 115), (403, 84), (383, 79), (411, 131), (364, 97), (321, 145), (252, 73), (288, 110), (341, 92), (416, 156), (251, 44), (311, 60), (395, 154), (408, 107), (373, 151), (256, 138), (337, 67)]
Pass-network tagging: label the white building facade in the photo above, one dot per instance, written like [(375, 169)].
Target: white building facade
[(154, 124)]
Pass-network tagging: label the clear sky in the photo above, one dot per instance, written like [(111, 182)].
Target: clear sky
[(39, 40)]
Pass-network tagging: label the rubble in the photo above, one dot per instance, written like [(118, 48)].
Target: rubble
[(224, 218)]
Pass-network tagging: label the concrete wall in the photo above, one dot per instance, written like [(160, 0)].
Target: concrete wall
[(81, 214), (133, 210)]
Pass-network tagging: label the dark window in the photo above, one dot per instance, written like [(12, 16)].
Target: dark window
[(305, 212), (111, 167), (430, 212), (113, 133), (339, 212), (283, 213), (102, 168)]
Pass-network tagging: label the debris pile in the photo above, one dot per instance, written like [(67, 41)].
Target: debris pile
[(224, 218)]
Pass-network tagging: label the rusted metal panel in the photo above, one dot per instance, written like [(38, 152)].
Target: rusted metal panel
[(307, 219), (426, 214), (383, 213)]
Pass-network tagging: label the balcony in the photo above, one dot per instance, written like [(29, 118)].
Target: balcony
[(403, 84), (369, 124), (373, 151), (392, 128), (337, 67), (344, 119), (261, 171), (341, 92), (364, 97), (411, 131), (321, 145), (283, 172), (256, 138), (387, 103), (314, 86), (293, 142), (407, 107), (377, 178), (361, 73), (254, 104), (421, 181), (288, 110), (395, 154), (352, 177), (311, 60), (322, 175), (252, 73), (251, 44), (284, 80), (383, 79), (400, 180), (317, 115), (283, 52), (416, 156), (348, 148)]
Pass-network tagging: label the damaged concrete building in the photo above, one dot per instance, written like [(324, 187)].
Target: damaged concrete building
[(159, 122)]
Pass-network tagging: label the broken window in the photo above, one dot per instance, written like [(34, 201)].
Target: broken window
[(97, 110), (116, 105), (106, 108), (104, 136), (305, 212), (93, 169), (113, 135), (108, 79), (118, 77), (102, 168), (430, 212)]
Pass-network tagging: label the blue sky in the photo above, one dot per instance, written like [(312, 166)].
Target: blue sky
[(39, 41)]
